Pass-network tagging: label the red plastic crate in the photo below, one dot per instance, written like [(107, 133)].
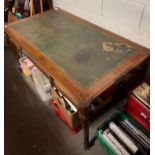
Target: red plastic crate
[(62, 117), (138, 111)]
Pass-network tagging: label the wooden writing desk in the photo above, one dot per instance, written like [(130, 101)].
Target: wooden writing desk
[(82, 59)]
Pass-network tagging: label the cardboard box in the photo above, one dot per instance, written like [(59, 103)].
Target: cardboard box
[(71, 117)]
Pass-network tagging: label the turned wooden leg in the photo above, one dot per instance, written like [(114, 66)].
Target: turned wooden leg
[(84, 113)]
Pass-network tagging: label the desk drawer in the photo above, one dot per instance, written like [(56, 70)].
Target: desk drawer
[(102, 100), (13, 48)]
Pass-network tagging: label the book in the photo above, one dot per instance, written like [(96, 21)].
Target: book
[(137, 131), (116, 142), (142, 92), (141, 143), (111, 144), (123, 137)]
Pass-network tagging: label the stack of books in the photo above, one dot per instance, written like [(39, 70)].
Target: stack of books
[(142, 93), (124, 138)]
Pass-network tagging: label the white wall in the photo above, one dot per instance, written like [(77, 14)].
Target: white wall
[(128, 18)]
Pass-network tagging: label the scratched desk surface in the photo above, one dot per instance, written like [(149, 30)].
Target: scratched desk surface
[(82, 52)]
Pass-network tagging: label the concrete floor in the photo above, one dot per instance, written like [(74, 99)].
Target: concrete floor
[(31, 128)]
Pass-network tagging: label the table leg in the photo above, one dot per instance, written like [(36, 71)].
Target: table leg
[(84, 113), (6, 11)]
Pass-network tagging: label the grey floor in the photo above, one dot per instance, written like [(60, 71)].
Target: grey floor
[(31, 128)]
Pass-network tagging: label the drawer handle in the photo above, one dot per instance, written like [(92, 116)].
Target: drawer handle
[(143, 115)]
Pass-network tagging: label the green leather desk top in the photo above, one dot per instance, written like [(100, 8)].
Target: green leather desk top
[(82, 52)]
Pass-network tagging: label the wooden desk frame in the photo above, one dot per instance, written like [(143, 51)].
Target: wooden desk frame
[(81, 98)]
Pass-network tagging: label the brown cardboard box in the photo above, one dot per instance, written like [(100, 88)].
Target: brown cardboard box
[(72, 118)]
